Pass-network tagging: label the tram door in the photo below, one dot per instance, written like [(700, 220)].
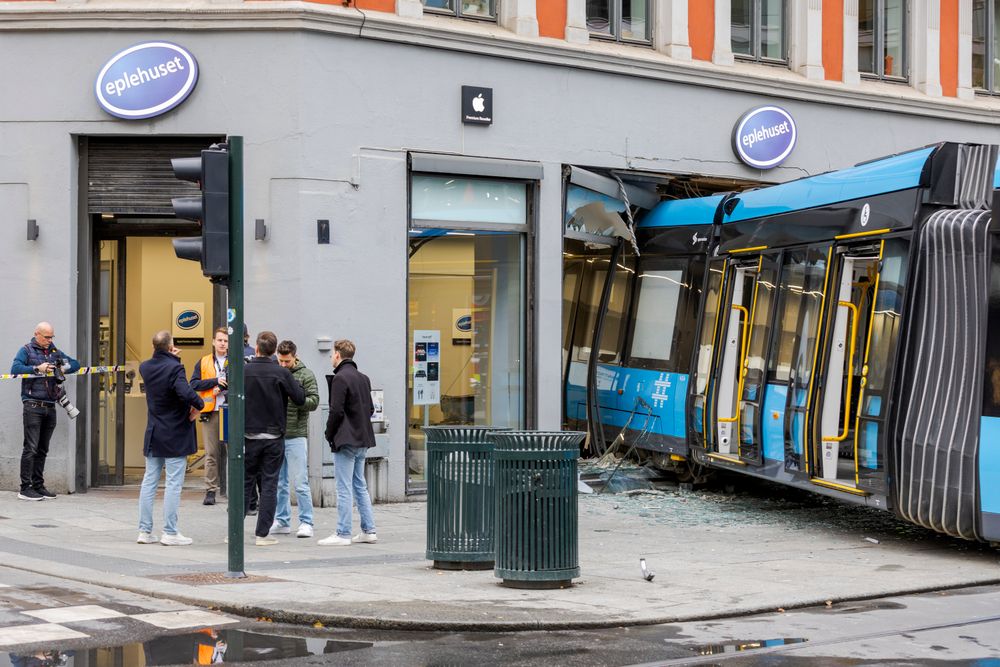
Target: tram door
[(863, 316), (735, 402)]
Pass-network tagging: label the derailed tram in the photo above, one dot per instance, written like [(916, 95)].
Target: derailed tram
[(831, 333)]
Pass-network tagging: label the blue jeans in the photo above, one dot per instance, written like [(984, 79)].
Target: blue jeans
[(176, 466), (349, 468), (296, 467)]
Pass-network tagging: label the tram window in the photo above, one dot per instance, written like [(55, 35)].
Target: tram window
[(801, 296), (759, 334), (886, 322), (571, 280), (662, 332), (656, 313), (706, 340), (991, 385), (614, 321)]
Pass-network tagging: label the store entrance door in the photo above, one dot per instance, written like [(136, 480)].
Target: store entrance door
[(140, 287)]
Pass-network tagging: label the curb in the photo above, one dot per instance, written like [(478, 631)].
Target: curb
[(362, 621)]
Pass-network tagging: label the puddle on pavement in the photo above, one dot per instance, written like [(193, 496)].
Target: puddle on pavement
[(741, 645), (854, 607), (204, 647)]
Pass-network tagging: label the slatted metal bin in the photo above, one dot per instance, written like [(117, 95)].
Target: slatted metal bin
[(461, 497), (537, 543)]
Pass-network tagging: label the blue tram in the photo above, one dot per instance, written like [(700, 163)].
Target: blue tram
[(830, 333)]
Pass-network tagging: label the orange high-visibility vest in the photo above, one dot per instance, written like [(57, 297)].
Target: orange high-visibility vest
[(207, 373)]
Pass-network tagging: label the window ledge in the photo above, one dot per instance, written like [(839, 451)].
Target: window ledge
[(487, 39)]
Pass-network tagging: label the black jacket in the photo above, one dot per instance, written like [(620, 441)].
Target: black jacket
[(169, 398), (268, 389), (351, 409)]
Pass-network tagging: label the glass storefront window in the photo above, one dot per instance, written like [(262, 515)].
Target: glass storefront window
[(593, 212), (453, 199), (466, 342)]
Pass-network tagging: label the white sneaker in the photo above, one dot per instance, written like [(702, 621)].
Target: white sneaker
[(335, 540), (278, 529), (266, 541), (365, 538), (305, 530), (146, 538), (176, 540)]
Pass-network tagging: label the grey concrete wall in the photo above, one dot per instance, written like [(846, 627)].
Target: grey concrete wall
[(327, 122)]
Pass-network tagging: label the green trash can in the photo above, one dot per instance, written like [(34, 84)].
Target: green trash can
[(537, 543), (461, 497)]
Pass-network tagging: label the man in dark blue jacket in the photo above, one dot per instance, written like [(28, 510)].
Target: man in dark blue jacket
[(172, 407), (39, 396)]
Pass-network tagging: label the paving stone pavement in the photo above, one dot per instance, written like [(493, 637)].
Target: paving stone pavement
[(713, 554), (38, 613)]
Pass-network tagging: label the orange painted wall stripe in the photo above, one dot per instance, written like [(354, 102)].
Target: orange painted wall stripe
[(949, 47), (551, 18), (701, 28), (833, 40), (375, 5)]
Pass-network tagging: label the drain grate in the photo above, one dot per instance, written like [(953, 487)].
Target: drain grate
[(213, 578)]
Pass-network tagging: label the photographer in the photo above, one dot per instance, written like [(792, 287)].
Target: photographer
[(39, 396)]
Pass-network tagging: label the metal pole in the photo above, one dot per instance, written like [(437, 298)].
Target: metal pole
[(236, 395)]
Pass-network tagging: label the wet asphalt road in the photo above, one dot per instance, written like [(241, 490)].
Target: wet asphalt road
[(960, 627)]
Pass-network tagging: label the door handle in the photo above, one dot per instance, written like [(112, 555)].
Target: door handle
[(741, 371), (853, 310)]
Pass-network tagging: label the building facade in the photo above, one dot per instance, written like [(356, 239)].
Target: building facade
[(379, 208)]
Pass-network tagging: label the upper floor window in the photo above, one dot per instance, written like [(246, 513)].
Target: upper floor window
[(985, 48), (469, 9), (758, 29), (882, 38), (622, 20)]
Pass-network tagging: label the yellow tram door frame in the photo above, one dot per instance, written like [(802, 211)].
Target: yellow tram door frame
[(844, 333)]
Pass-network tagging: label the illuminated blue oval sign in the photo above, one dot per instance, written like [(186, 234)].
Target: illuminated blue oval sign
[(464, 323), (188, 320), (764, 137), (146, 80)]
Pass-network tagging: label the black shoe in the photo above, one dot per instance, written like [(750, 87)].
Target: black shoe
[(209, 498), (30, 494), (45, 493), (252, 511)]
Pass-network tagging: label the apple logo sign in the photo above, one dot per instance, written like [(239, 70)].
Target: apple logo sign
[(477, 105)]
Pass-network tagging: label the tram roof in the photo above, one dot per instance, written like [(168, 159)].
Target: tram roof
[(682, 212), (890, 174)]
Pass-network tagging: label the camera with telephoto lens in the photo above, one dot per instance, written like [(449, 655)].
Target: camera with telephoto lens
[(61, 397)]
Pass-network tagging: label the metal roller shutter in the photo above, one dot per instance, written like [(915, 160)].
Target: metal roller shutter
[(133, 176)]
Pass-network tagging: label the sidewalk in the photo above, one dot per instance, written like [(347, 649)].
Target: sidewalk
[(713, 555)]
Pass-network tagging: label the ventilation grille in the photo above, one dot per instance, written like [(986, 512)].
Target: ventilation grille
[(133, 176)]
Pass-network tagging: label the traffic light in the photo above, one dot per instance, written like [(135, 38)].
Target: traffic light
[(211, 210)]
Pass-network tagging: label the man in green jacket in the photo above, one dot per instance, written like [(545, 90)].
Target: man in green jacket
[(295, 465)]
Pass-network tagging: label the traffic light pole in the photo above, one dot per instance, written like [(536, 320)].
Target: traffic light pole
[(236, 394)]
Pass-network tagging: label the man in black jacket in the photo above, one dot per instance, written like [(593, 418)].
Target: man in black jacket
[(268, 389), (349, 432)]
